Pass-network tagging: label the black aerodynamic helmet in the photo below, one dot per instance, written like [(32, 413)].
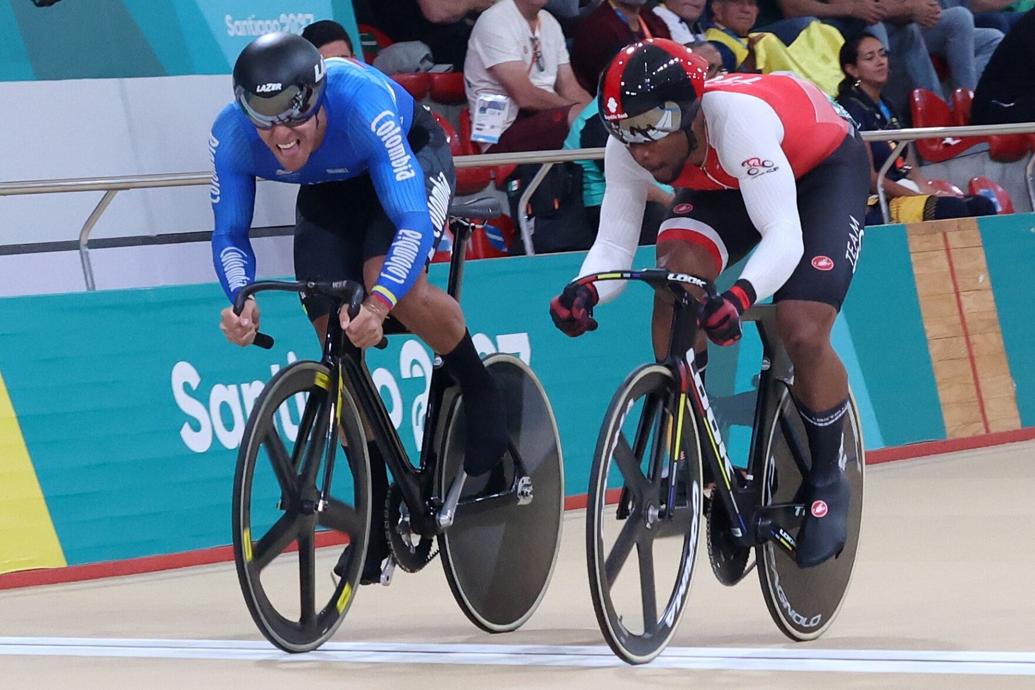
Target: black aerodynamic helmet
[(651, 89), (279, 79)]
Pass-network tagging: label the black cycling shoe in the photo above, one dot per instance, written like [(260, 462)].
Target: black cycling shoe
[(377, 552), (825, 529)]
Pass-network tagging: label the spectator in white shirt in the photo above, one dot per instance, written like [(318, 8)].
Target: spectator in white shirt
[(517, 50), (683, 18)]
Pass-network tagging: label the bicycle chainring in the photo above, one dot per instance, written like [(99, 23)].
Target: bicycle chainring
[(411, 551), (729, 559)]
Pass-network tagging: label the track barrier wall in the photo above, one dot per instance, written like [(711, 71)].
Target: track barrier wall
[(121, 410)]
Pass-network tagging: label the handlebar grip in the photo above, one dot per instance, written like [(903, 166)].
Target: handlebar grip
[(264, 341), (240, 299), (355, 302)]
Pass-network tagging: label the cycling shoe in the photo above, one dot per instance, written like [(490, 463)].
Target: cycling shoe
[(825, 529)]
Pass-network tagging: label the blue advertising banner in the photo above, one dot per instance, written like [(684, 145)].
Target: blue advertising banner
[(132, 405), (146, 38)]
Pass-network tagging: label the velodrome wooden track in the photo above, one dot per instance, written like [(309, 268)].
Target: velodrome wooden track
[(943, 597)]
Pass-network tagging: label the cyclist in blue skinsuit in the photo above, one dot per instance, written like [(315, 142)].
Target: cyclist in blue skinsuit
[(296, 119)]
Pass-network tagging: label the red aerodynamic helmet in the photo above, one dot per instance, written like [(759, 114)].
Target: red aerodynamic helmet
[(651, 89)]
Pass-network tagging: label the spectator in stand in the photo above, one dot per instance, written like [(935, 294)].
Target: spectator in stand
[(444, 25), (950, 34), (606, 30), (911, 61), (813, 54), (568, 12), (995, 14), (517, 51), (588, 132), (330, 38), (683, 19), (911, 196), (1006, 92)]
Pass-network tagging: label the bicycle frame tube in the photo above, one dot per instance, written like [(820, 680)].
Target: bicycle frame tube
[(776, 366), (776, 370), (681, 359)]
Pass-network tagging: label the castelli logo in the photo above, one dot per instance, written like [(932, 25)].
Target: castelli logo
[(759, 166), (682, 209), (823, 263), (819, 509), (612, 104)]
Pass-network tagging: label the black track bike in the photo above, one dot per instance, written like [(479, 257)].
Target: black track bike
[(649, 491), (303, 481)]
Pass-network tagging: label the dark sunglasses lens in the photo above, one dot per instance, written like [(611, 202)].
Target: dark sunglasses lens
[(292, 105)]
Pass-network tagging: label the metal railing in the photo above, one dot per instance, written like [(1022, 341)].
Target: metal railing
[(112, 185), (905, 136)]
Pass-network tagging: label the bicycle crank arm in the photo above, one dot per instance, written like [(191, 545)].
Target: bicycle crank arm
[(769, 530), (447, 513)]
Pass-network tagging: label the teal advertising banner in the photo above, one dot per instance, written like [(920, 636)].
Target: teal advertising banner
[(76, 39), (1009, 243), (132, 405)]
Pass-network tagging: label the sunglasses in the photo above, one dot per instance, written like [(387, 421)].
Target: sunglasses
[(292, 106), (537, 54), (652, 125)]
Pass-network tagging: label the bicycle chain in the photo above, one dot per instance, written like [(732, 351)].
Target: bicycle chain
[(729, 561), (410, 558)]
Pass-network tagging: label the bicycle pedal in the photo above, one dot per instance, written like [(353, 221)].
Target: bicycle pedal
[(387, 572)]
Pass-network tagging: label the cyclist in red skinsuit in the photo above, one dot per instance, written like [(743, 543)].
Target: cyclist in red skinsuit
[(759, 161)]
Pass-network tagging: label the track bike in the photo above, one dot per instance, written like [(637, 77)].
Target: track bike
[(303, 480), (660, 450)]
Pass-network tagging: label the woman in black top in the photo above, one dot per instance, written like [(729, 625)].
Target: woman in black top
[(864, 62)]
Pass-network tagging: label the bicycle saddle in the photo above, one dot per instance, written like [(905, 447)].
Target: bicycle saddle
[(481, 207)]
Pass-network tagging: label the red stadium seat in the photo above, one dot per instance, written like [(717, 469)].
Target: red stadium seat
[(946, 186), (1007, 148), (417, 84), (941, 67), (465, 132), (1001, 147), (380, 37), (979, 183), (445, 247), (448, 88), (468, 180), (492, 239), (962, 99), (929, 110)]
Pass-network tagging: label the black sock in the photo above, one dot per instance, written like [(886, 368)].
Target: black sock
[(483, 408), (377, 549), (824, 430), (378, 479)]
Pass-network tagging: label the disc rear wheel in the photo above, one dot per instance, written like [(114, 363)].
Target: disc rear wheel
[(500, 551), (804, 602)]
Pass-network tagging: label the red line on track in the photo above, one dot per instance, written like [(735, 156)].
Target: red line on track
[(966, 332)]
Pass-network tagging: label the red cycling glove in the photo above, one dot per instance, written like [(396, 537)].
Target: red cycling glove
[(720, 316), (572, 310)]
